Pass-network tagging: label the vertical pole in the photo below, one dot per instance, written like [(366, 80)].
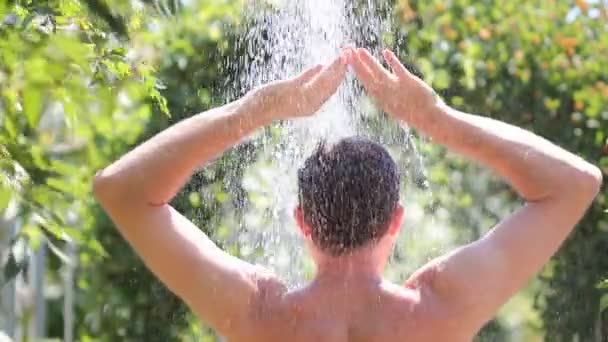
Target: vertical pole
[(68, 290), (37, 327), (9, 298)]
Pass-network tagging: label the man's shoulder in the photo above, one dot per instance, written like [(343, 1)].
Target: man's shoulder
[(269, 285)]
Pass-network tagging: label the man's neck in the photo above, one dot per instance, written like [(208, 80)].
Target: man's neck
[(354, 267)]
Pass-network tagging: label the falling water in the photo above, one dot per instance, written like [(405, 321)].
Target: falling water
[(285, 38)]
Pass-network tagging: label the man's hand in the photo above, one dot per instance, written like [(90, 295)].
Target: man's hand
[(304, 94), (400, 93)]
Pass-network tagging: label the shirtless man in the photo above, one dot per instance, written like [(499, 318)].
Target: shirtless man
[(349, 215)]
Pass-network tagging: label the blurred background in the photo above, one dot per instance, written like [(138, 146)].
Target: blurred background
[(84, 81)]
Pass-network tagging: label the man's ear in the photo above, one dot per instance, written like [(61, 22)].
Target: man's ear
[(396, 220), (298, 214)]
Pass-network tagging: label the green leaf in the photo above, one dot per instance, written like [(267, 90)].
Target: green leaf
[(603, 303), (441, 79), (221, 196), (11, 127), (103, 10), (38, 157), (64, 168), (59, 253), (43, 194), (5, 197), (32, 105), (34, 235), (60, 184), (97, 247), (71, 233), (195, 199), (120, 51)]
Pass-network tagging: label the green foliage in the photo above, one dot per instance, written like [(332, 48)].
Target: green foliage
[(71, 101), (66, 87), (79, 88), (188, 52)]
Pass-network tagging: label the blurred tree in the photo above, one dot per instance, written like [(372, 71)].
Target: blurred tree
[(66, 89), (75, 95), (71, 100), (189, 50)]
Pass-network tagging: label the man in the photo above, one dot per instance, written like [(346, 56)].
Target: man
[(350, 216)]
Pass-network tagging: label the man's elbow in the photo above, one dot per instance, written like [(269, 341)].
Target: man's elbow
[(104, 188), (114, 192), (589, 181)]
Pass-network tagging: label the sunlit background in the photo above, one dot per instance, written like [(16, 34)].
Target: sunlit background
[(82, 82)]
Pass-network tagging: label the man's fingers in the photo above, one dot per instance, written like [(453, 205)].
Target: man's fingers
[(330, 77), (362, 71), (379, 72), (395, 64), (334, 71), (308, 75), (364, 74)]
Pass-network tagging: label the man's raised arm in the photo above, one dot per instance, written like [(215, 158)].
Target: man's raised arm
[(557, 186), (136, 189)]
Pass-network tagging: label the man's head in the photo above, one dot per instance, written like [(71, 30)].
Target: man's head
[(349, 196)]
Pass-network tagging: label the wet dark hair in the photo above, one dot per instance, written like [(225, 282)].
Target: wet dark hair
[(348, 192)]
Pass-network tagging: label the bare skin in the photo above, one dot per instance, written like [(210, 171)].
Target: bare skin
[(448, 299)]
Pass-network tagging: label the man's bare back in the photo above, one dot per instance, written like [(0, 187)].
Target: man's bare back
[(349, 217), (365, 311)]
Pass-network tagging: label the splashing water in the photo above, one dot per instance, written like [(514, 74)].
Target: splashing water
[(285, 38)]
